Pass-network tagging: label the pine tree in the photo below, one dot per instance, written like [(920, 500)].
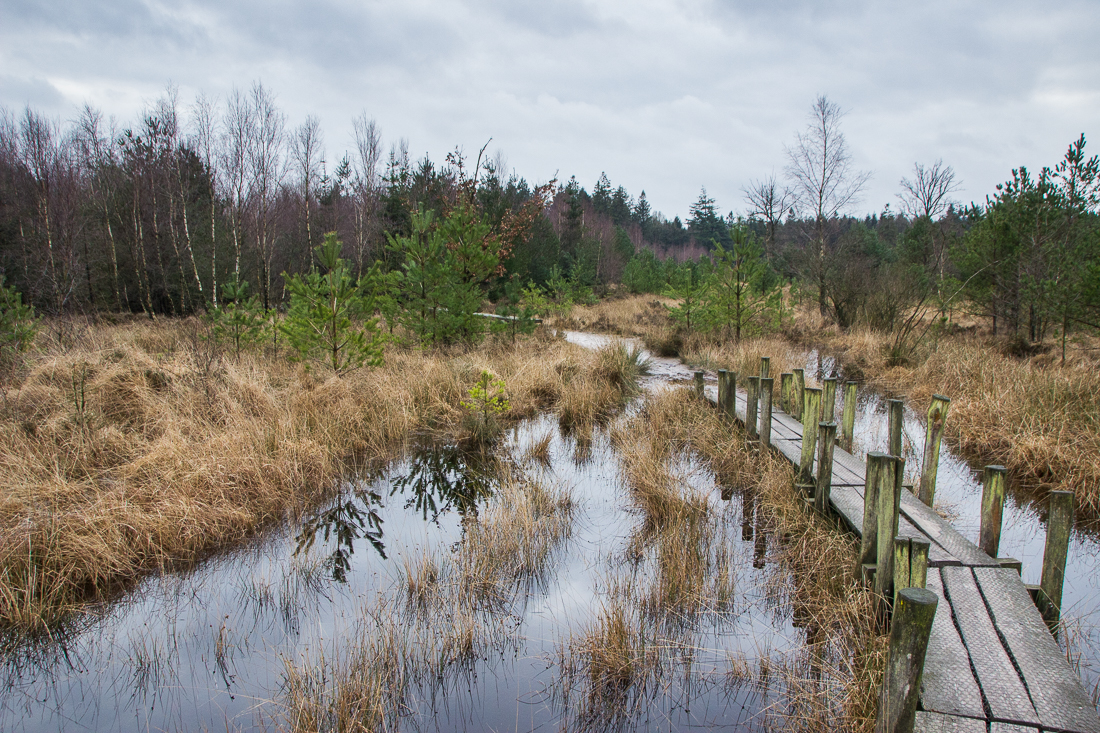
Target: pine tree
[(331, 315)]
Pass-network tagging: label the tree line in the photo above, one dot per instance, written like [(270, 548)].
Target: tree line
[(176, 214)]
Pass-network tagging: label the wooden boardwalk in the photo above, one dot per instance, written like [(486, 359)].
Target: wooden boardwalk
[(992, 665)]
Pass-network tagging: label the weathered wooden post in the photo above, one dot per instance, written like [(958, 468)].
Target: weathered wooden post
[(723, 385), (1059, 526), (897, 707), (765, 366), (798, 391), (828, 400), (848, 421), (826, 440), (993, 500), (910, 563), (811, 407), (699, 384), (730, 405), (868, 544), (766, 411), (937, 417), (752, 393), (786, 384), (896, 415), (889, 501)]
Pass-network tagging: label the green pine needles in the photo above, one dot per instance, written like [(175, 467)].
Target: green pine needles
[(240, 319), (486, 402), (18, 323), (331, 315)]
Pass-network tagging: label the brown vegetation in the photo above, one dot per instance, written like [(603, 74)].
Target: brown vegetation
[(141, 446)]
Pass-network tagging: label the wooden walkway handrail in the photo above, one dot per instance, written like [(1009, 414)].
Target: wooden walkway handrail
[(991, 663)]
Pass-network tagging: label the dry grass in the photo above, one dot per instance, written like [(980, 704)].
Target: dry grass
[(1036, 417), (457, 610), (141, 446), (832, 681)]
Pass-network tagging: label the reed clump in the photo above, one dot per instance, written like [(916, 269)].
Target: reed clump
[(832, 680), (142, 446)]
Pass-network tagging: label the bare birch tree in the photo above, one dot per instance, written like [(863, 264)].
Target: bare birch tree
[(267, 170), (824, 181), (368, 156), (307, 150), (770, 202)]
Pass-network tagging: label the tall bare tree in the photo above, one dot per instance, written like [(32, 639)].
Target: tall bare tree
[(205, 141), (238, 131), (368, 157), (307, 150), (824, 181), (769, 201), (929, 193), (97, 156), (267, 170)]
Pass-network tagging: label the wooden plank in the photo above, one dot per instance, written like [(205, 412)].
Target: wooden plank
[(1001, 686), (849, 507), (928, 722), (1056, 693), (948, 685), (942, 533), (937, 555), (791, 449), (996, 727)]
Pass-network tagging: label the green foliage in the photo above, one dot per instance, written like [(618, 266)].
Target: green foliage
[(485, 403), (443, 276), (18, 324), (689, 285), (331, 315), (643, 273), (741, 297), (240, 319), (520, 313)]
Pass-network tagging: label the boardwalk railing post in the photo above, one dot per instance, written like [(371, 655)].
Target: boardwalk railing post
[(1059, 525), (896, 415), (766, 411), (786, 384), (828, 400), (993, 500), (798, 391), (937, 417), (811, 407), (826, 440), (752, 393), (889, 501), (848, 421), (730, 405), (910, 564), (868, 544), (897, 707), (765, 366), (699, 384), (723, 385)]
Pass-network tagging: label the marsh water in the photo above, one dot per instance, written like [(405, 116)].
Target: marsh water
[(212, 648)]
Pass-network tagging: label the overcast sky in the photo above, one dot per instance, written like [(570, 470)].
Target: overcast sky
[(663, 96)]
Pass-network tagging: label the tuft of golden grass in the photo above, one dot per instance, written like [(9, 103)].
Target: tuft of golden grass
[(140, 446)]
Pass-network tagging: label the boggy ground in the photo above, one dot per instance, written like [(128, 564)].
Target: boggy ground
[(144, 446), (670, 579), (1024, 409)]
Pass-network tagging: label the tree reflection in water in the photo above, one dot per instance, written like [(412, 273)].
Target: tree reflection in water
[(434, 481)]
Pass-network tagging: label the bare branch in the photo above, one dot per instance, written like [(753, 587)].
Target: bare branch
[(928, 194)]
